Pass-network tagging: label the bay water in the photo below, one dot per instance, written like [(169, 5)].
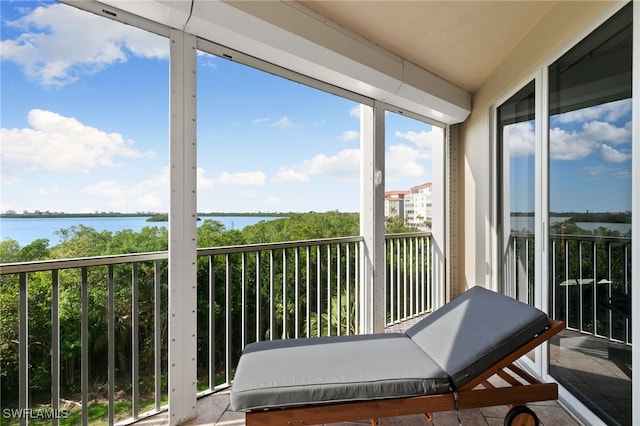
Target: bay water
[(27, 230)]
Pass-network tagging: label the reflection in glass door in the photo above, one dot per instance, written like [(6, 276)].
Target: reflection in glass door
[(590, 218), (516, 174)]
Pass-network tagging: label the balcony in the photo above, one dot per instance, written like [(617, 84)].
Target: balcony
[(245, 294), (589, 289), (119, 372)]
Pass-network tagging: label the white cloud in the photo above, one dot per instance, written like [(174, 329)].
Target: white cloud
[(259, 120), (291, 174), (283, 123), (150, 194), (601, 131), (520, 138), (355, 111), (576, 145), (343, 166), (241, 178), (595, 170), (612, 155), (423, 139), (569, 145), (350, 135), (54, 190), (403, 161), (63, 144), (601, 169), (611, 111), (203, 182), (56, 48)]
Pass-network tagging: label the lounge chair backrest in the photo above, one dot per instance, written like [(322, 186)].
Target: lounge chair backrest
[(475, 330)]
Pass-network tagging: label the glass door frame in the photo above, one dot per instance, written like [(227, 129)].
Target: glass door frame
[(540, 356)]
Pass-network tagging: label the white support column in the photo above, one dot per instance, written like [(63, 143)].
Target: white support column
[(372, 319), (182, 229), (439, 220)]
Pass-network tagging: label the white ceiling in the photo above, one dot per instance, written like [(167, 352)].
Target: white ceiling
[(459, 41)]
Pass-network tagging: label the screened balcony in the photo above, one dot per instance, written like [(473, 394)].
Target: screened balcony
[(245, 293), (263, 292)]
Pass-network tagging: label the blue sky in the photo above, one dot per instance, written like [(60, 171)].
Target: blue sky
[(84, 126)]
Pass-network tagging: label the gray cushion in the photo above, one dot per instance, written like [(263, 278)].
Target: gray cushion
[(444, 350), (283, 373), (475, 330)]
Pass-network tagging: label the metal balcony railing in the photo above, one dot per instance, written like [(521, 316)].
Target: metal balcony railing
[(589, 281), (115, 307)]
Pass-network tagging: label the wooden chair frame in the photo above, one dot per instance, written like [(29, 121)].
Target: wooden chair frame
[(479, 392)]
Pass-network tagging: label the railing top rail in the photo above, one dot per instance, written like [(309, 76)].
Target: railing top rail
[(49, 265), (278, 245), (408, 235), (596, 238)]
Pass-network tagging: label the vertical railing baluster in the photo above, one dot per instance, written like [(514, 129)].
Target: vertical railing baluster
[(416, 273), (339, 289), (404, 280), (609, 289), (566, 279), (243, 304), (627, 329), (318, 291), (580, 280), (513, 288), (157, 334), (430, 304), (308, 290), (524, 285), (23, 347), (111, 342), (594, 289), (554, 291), (358, 250), (411, 279), (227, 321), (84, 346), (55, 344), (418, 287), (391, 280), (398, 285), (296, 314), (212, 322), (328, 290), (284, 294), (135, 350), (348, 289), (272, 306), (423, 299), (258, 295)]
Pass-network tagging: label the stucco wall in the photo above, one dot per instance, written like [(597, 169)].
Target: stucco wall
[(566, 23)]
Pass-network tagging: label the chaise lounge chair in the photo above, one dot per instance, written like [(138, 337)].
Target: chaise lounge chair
[(442, 363)]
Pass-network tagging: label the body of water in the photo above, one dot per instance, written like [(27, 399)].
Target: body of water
[(527, 224), (27, 230)]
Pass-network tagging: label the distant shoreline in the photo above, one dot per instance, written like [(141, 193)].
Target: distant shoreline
[(144, 214)]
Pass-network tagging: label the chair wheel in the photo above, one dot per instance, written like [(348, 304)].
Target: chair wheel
[(521, 415)]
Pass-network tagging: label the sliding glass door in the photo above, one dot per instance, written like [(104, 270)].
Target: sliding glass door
[(563, 157), (589, 169)]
